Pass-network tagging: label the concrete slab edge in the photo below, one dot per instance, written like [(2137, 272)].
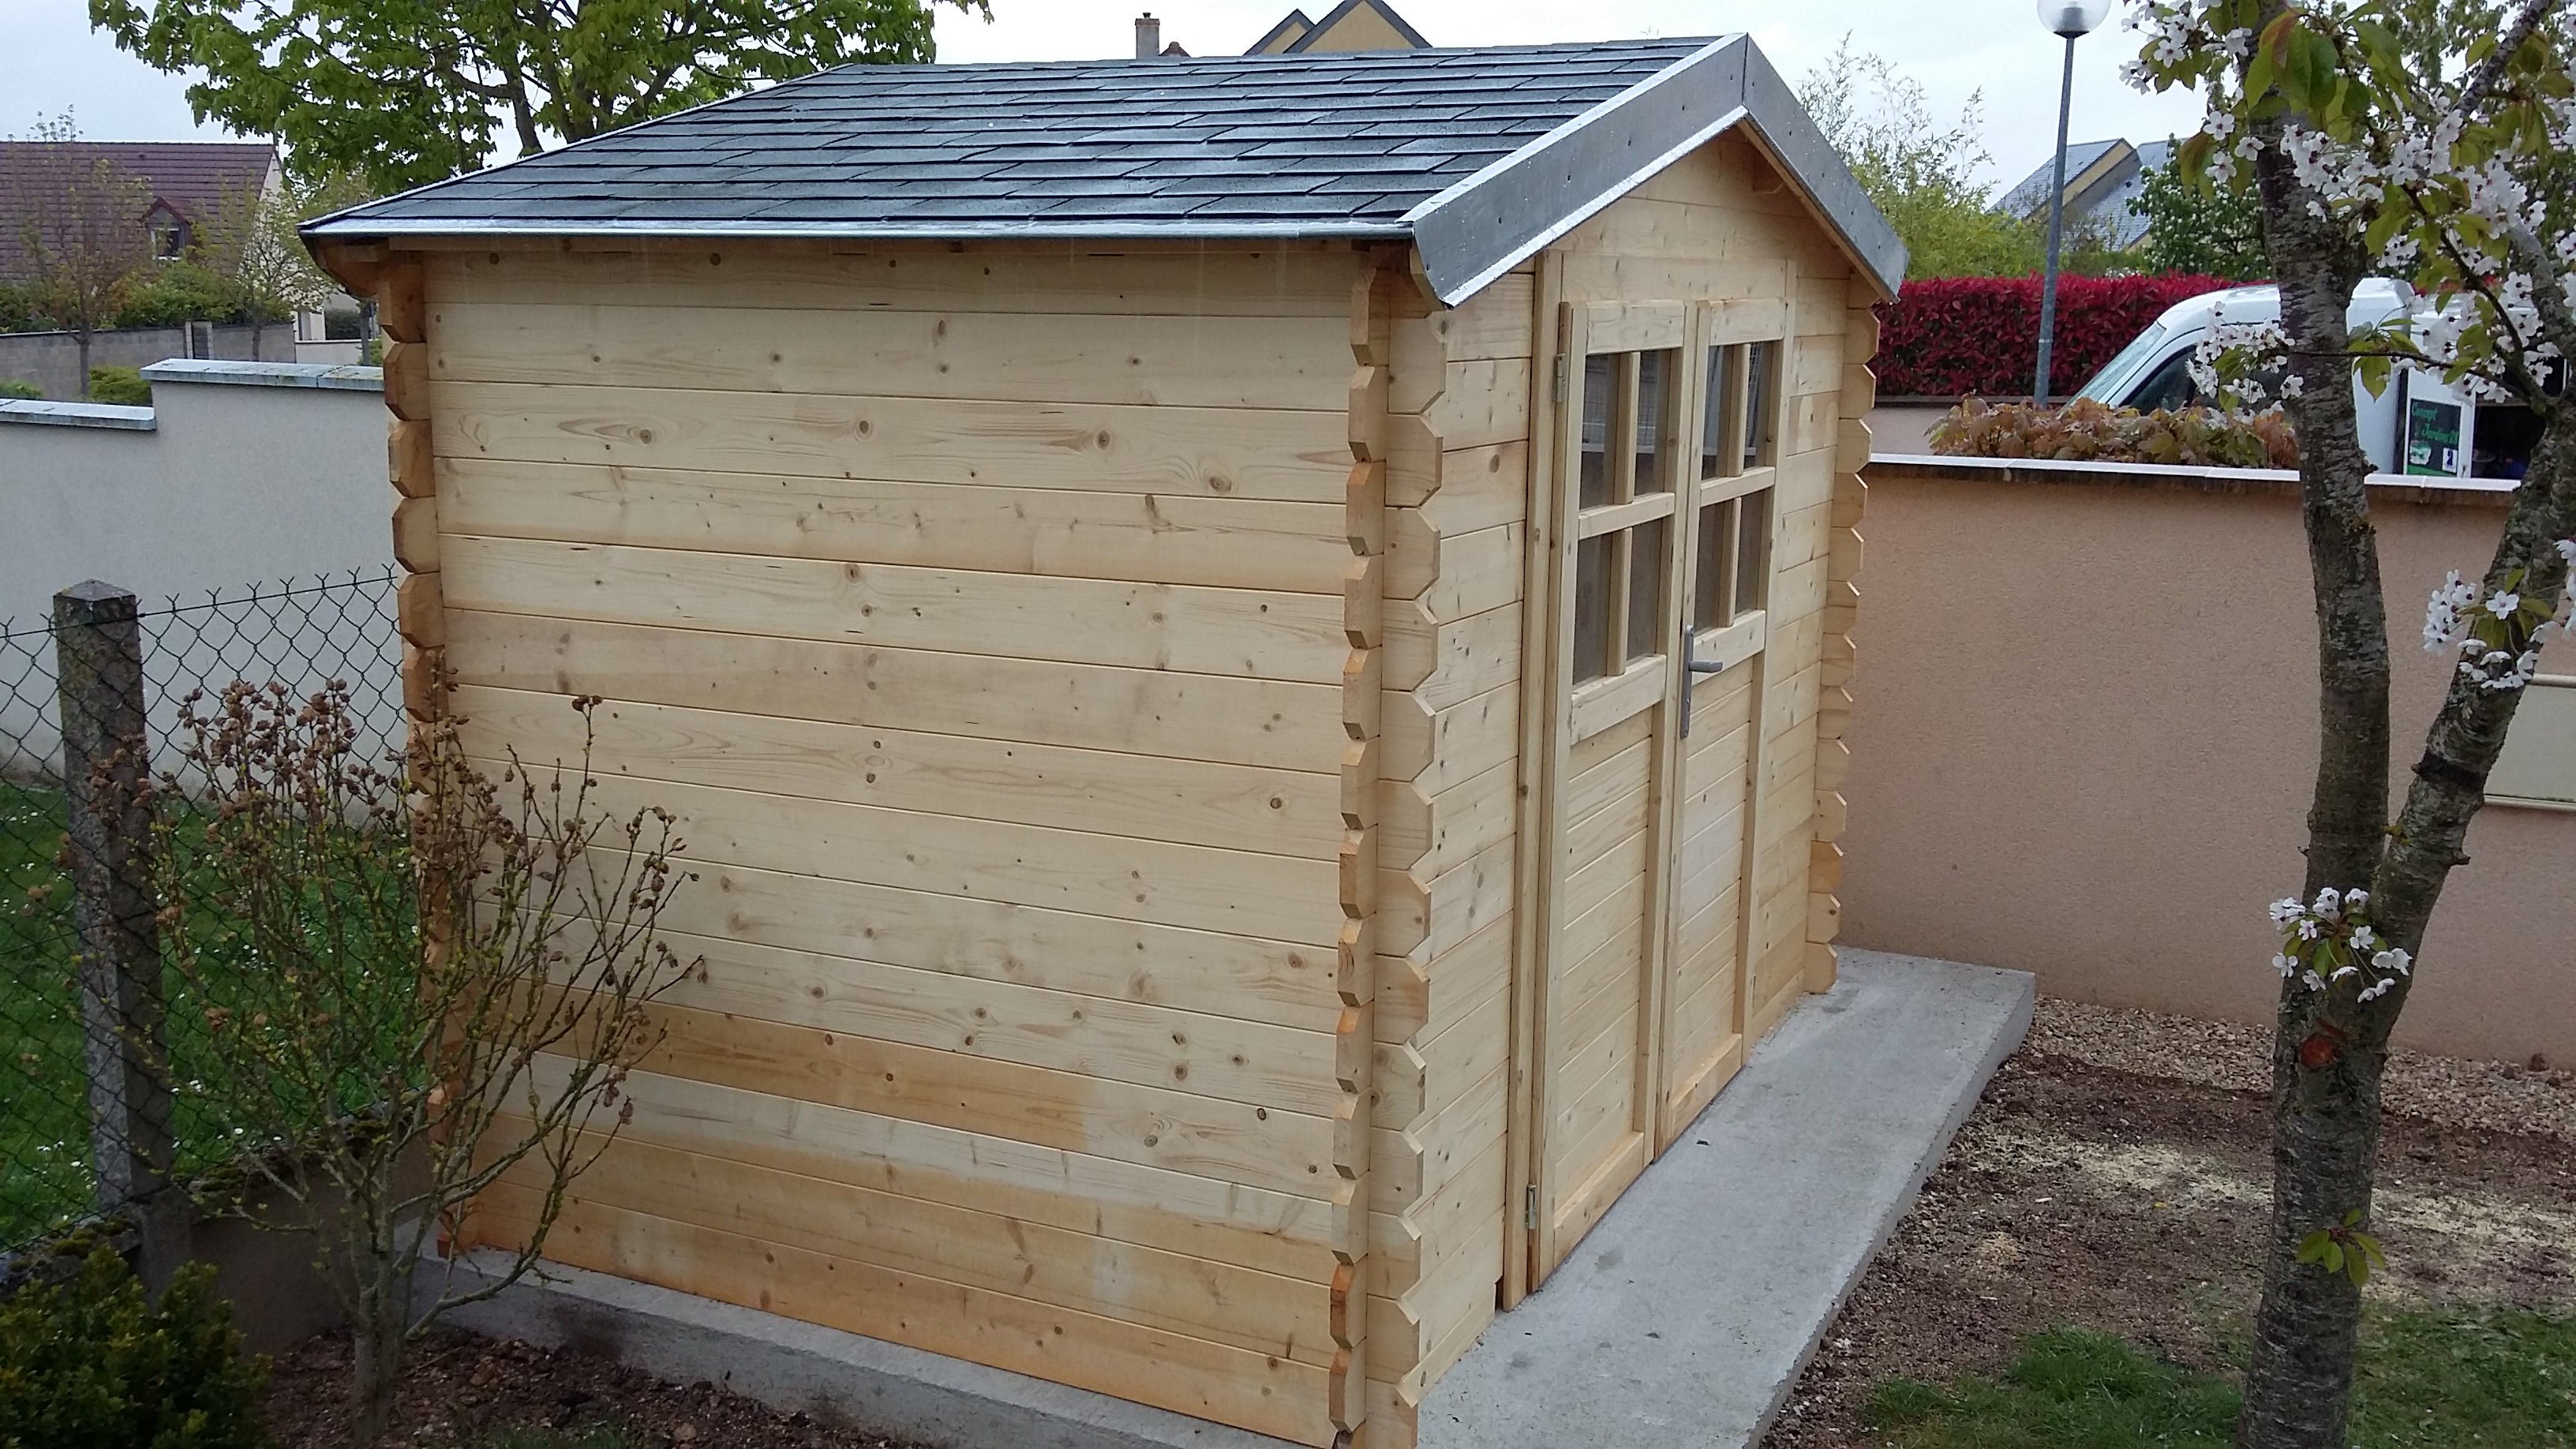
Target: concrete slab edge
[(2006, 1039), (838, 1378)]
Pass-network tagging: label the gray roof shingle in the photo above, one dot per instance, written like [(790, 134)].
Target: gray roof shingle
[(1365, 144)]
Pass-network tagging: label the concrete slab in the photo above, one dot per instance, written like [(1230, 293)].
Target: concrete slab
[(1684, 1319)]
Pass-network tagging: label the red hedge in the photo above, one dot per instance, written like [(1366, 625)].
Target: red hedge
[(1958, 336)]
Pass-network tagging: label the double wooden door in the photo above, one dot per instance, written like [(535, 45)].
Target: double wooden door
[(1667, 427)]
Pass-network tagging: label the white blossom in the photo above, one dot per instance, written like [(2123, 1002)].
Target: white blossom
[(2443, 613), (2379, 988), (2328, 904), (2286, 910), (2566, 551), (2354, 900), (2363, 938), (2313, 981), (2394, 960), (2504, 604), (2285, 965)]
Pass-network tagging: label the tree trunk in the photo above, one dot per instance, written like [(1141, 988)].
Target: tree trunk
[(2325, 1110), (375, 1359), (80, 338)]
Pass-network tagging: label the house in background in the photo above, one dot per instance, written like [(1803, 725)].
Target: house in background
[(185, 181), (1351, 25), (2103, 181)]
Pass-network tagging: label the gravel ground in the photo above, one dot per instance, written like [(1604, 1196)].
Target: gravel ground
[(2533, 1099), (2115, 1175)]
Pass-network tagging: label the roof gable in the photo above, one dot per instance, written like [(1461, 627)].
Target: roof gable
[(1480, 156), (1358, 25), (1291, 28)]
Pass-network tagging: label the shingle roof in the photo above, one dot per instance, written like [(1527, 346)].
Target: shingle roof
[(1478, 153)]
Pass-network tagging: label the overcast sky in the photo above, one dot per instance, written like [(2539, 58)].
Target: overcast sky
[(52, 60)]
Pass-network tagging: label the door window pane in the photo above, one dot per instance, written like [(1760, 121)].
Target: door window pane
[(1713, 585), (1656, 374), (1600, 409), (1717, 413), (1753, 552), (1646, 563), (1761, 364), (1592, 608)]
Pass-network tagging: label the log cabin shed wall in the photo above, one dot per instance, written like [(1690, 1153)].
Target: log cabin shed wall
[(1157, 592)]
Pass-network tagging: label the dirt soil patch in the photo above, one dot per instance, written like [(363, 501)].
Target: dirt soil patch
[(2116, 1176), (467, 1392)]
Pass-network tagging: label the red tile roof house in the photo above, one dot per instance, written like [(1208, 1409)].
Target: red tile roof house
[(185, 181)]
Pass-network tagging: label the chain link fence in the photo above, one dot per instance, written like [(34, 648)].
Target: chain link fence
[(95, 1107)]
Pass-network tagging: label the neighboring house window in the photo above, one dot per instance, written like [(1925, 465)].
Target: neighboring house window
[(169, 233), (2538, 766)]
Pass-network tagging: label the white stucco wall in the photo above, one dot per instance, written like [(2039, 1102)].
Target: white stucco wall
[(239, 475), (249, 473)]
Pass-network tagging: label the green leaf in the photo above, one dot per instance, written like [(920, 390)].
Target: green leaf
[(2308, 79)]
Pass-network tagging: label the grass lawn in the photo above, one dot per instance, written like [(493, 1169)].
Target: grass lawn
[(44, 1109), (44, 1114), (2431, 1378)]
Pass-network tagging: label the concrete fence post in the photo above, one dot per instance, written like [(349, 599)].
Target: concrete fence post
[(98, 646)]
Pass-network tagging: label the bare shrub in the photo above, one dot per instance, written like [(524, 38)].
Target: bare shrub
[(398, 985)]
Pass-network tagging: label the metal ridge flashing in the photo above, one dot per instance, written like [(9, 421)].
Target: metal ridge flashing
[(1497, 218)]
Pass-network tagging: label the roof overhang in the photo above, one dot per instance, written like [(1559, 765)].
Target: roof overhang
[(1498, 218)]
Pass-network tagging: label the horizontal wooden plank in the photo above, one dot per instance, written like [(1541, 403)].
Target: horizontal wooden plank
[(1263, 1392), (1481, 403), (1428, 835), (1297, 457), (1244, 632), (1236, 807), (1265, 723), (1449, 663), (1403, 1330), (1146, 962), (1426, 994), (1475, 572), (1434, 916), (1413, 1165), (1450, 1063), (1142, 537), (1147, 1286), (1410, 1247), (1237, 892), (1435, 749), (1163, 361), (1268, 1148), (1076, 278), (1222, 1221), (1202, 1053)]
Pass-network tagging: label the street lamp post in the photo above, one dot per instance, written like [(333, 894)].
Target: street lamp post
[(2069, 19)]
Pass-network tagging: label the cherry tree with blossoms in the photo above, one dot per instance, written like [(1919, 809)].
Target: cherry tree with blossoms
[(2375, 151)]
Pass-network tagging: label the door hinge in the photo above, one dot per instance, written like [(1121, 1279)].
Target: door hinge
[(1529, 1207), (1561, 370)]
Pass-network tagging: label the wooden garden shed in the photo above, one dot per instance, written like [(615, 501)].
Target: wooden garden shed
[(1251, 652)]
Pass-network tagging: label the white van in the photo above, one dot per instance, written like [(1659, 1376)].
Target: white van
[(2419, 424)]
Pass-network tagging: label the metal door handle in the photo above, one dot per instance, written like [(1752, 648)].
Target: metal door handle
[(1691, 666)]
